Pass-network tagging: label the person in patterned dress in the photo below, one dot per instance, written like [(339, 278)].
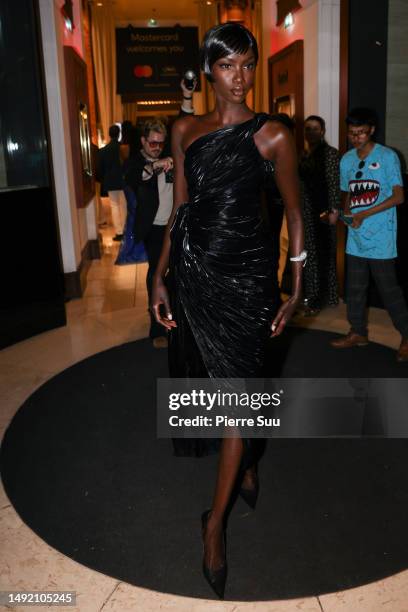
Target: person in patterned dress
[(320, 181)]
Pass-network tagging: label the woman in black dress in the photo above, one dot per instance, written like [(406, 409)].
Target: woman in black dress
[(220, 266), (319, 171)]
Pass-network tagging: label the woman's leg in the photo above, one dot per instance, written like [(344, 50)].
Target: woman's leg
[(228, 467)]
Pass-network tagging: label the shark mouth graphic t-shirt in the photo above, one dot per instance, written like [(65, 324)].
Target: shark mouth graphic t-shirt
[(369, 182)]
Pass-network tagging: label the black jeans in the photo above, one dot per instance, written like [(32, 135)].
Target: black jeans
[(358, 277), (153, 244)]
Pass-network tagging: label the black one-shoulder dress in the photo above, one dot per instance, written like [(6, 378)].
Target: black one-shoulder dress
[(220, 269)]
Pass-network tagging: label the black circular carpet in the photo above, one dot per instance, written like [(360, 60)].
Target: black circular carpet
[(83, 468)]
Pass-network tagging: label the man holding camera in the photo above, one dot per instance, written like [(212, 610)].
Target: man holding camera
[(150, 177)]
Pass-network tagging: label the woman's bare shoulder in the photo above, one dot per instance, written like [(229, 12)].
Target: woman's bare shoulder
[(272, 128), (270, 136), (188, 128), (182, 124)]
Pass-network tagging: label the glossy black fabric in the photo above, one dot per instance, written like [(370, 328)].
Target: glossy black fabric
[(221, 273)]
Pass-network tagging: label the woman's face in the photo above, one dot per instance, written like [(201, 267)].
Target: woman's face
[(234, 76), (313, 132)]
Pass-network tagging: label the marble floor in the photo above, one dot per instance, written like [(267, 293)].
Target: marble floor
[(113, 311)]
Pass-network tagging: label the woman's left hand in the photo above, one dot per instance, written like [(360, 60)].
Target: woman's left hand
[(333, 217), (285, 313), (329, 217)]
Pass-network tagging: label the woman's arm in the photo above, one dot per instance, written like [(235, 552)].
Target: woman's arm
[(275, 142), (180, 195)]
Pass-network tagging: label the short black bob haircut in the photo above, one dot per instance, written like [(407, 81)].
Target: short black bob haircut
[(362, 116), (223, 40)]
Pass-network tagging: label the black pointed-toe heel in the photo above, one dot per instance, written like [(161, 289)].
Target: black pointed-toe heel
[(215, 578), (250, 496)]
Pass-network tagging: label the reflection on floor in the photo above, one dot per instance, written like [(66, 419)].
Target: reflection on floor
[(113, 311)]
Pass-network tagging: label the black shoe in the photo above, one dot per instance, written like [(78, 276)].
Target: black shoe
[(250, 496), (215, 578), (118, 238)]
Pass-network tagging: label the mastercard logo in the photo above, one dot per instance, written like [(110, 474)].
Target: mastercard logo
[(142, 72)]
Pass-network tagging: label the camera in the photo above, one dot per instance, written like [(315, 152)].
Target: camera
[(189, 78)]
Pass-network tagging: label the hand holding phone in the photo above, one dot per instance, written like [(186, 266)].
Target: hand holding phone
[(347, 219)]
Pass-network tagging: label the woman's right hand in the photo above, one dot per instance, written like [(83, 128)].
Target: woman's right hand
[(160, 297), (284, 314)]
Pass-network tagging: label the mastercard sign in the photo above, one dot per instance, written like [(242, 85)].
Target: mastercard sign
[(141, 72), (153, 60)]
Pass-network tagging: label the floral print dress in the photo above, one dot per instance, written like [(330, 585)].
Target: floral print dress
[(320, 184)]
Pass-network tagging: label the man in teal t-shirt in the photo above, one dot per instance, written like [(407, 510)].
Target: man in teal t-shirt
[(370, 174)]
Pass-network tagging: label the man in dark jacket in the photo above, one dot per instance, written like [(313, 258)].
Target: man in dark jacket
[(111, 178), (150, 177)]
